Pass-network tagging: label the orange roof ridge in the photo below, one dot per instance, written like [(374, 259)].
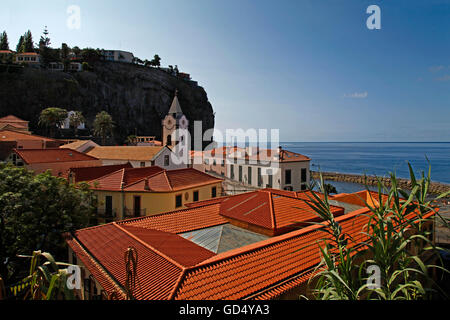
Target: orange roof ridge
[(272, 212), (131, 220), (277, 239), (107, 175), (145, 178), (149, 246), (168, 180)]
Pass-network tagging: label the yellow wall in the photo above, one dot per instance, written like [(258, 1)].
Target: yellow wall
[(155, 202)]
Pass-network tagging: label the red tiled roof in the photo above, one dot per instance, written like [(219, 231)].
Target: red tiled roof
[(10, 135), (157, 273), (263, 269), (30, 156), (182, 220), (154, 179), (15, 120), (242, 272), (124, 177), (270, 209), (92, 173), (27, 54)]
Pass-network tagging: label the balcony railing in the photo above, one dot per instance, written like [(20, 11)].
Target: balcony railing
[(134, 213), (107, 215)]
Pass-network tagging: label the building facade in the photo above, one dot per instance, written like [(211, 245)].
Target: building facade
[(148, 191), (138, 156), (118, 56)]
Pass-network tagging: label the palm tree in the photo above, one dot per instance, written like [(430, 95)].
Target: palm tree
[(75, 120), (103, 125), (52, 118)]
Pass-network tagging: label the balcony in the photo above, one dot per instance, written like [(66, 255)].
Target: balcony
[(134, 213), (106, 215)]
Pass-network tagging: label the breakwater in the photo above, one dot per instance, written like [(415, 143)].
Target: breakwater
[(434, 188)]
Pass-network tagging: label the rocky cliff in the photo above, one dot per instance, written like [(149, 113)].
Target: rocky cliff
[(137, 98)]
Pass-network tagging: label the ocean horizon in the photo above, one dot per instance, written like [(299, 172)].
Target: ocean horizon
[(377, 158)]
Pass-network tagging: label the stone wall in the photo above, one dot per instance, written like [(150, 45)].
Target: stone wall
[(435, 188)]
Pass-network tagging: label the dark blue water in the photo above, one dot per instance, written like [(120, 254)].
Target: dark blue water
[(377, 158)]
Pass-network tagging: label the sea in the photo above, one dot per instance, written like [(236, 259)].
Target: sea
[(376, 158)]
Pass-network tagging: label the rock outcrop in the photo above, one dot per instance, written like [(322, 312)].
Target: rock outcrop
[(137, 97)]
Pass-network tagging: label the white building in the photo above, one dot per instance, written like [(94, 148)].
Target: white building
[(139, 157), (265, 168), (118, 56), (66, 123), (28, 58)]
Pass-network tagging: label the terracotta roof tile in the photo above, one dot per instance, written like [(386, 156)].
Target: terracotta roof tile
[(156, 274), (154, 179), (271, 209), (126, 153), (182, 220), (92, 173), (10, 135), (31, 156)]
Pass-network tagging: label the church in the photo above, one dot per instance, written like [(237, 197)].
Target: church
[(175, 120)]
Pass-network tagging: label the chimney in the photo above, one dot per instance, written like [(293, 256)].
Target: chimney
[(146, 186)]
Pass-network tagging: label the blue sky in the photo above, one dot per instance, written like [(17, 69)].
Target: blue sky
[(309, 68)]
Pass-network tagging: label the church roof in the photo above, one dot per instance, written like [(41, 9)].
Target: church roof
[(175, 107)]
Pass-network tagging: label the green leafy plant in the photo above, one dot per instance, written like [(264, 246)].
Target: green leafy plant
[(398, 241), (47, 281)]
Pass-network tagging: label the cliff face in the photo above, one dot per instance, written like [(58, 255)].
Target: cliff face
[(137, 98)]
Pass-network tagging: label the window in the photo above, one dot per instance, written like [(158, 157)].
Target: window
[(303, 187), (304, 175), (214, 192), (142, 164), (249, 175), (231, 172), (240, 173), (260, 181), (178, 201), (196, 196), (288, 177), (108, 206), (166, 161), (137, 206), (270, 183)]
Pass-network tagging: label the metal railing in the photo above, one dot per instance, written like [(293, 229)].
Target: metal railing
[(134, 213), (106, 215)]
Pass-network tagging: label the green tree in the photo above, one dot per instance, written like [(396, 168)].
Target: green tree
[(20, 47), (4, 44), (76, 51), (52, 118), (103, 125), (35, 210), (75, 120), (156, 61), (65, 51), (28, 45), (44, 47)]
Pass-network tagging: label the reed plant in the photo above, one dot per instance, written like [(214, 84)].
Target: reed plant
[(397, 260)]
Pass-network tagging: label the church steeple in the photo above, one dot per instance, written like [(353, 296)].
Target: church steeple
[(174, 120), (175, 108)]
